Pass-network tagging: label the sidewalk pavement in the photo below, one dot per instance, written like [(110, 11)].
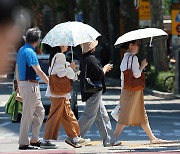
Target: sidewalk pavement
[(115, 84), (11, 147)]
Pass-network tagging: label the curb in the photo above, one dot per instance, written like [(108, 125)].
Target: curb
[(112, 83), (165, 95)]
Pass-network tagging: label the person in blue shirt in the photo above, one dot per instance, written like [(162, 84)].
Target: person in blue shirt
[(28, 74)]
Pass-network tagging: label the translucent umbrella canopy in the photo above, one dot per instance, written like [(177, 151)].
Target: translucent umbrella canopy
[(141, 34), (70, 34)]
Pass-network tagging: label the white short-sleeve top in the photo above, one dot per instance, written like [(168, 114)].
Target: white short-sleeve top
[(135, 66), (61, 68)]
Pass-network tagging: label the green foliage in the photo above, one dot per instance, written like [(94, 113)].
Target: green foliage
[(30, 3), (166, 7), (58, 5), (155, 80)]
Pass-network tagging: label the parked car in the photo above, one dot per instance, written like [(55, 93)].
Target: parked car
[(44, 63)]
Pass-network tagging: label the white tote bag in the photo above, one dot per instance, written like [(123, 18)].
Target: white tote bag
[(115, 112)]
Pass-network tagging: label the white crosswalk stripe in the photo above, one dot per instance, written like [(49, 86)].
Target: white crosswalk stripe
[(156, 133), (177, 123), (139, 133), (5, 124)]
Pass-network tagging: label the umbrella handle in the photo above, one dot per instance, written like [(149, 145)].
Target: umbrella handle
[(82, 49), (72, 54), (143, 50)]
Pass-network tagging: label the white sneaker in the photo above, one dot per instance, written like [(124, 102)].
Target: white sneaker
[(85, 142)]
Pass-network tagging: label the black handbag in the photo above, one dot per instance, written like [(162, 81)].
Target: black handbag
[(91, 86)]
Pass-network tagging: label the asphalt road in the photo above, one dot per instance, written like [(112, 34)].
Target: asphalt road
[(164, 117)]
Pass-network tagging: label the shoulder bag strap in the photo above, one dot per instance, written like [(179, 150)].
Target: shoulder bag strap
[(128, 61), (52, 66), (132, 61)]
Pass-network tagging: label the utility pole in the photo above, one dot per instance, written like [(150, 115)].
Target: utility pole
[(177, 77), (175, 17)]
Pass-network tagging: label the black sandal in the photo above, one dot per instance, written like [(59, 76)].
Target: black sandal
[(27, 147), (37, 144)]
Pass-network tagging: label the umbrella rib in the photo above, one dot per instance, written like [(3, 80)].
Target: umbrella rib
[(71, 33)]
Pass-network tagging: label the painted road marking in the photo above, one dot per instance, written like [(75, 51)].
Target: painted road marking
[(4, 124), (156, 134), (177, 123), (142, 134), (132, 134), (9, 134), (171, 134), (127, 131), (3, 103), (64, 135), (176, 131), (175, 118), (5, 118), (140, 131), (156, 131), (89, 135)]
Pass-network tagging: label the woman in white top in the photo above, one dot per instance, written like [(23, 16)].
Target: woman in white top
[(60, 110), (132, 110)]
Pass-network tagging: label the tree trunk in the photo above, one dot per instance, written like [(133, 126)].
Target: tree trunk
[(102, 20), (110, 28), (103, 15), (113, 33), (128, 19), (69, 12), (129, 15), (159, 47)]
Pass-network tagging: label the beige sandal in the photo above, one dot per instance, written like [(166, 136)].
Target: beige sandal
[(158, 141)]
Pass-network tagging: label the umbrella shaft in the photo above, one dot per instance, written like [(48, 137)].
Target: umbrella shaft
[(72, 54)]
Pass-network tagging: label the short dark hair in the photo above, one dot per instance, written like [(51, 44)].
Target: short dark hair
[(33, 35), (126, 44), (53, 52)]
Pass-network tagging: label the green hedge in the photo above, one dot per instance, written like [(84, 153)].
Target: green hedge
[(155, 80)]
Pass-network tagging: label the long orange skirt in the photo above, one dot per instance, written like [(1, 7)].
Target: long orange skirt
[(132, 110)]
